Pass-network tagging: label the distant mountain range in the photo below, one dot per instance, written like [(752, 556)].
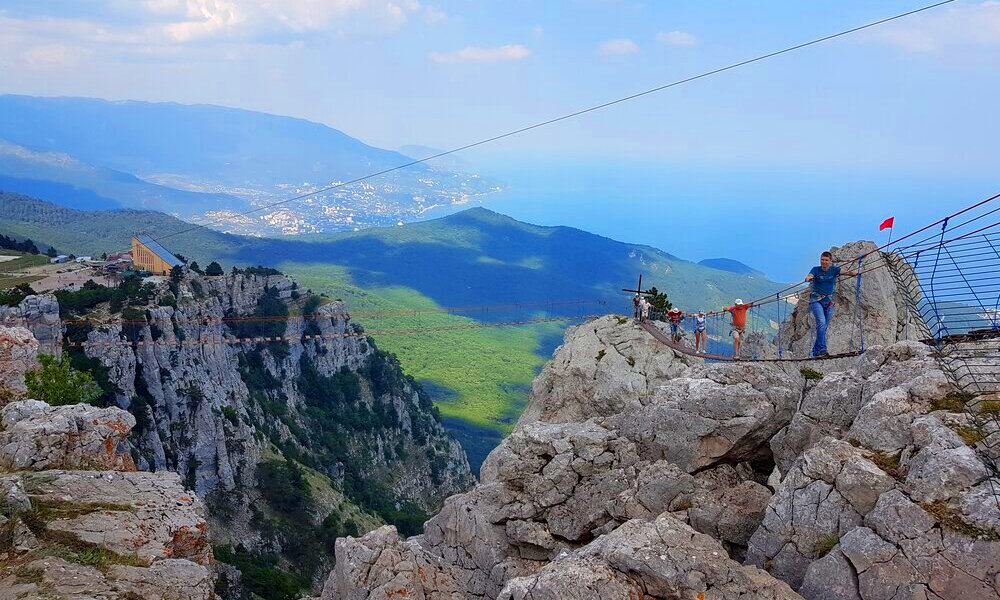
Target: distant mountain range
[(201, 162), (728, 264), (473, 257)]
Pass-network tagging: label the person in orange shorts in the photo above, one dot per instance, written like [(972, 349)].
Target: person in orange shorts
[(739, 325)]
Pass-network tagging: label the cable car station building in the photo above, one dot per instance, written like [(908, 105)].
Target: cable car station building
[(149, 255)]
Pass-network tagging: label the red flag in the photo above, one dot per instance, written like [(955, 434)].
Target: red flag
[(887, 224)]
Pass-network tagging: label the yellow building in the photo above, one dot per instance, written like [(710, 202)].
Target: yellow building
[(149, 255)]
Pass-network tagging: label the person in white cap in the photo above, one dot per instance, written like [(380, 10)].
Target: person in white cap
[(700, 341), (739, 325)]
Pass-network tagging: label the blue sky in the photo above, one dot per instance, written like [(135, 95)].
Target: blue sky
[(877, 120)]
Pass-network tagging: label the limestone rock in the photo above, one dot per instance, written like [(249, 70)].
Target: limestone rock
[(879, 315), (36, 436), (604, 370), (18, 354), (39, 315), (642, 559), (379, 566), (147, 515), (726, 413)]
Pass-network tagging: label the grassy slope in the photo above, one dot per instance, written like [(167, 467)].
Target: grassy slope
[(479, 376)]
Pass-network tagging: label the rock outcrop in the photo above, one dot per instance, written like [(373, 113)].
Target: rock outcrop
[(881, 316), (102, 533), (224, 378), (640, 473), (18, 355)]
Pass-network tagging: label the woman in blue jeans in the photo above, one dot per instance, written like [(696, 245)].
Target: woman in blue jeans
[(824, 281)]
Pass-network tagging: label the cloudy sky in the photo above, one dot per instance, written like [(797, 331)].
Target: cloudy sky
[(441, 72), (912, 103)]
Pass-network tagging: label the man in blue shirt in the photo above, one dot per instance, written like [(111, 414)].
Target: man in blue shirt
[(824, 281)]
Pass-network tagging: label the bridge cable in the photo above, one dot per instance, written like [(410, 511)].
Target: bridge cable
[(573, 114)]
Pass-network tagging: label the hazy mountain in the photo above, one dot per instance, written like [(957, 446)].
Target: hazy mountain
[(451, 162), (64, 180), (209, 163), (212, 143), (731, 265)]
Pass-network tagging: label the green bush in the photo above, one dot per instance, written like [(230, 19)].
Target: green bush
[(261, 574), (285, 488), (214, 269), (15, 295), (58, 384)]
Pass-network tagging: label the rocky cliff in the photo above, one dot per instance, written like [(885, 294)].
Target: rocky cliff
[(268, 402), (78, 522), (637, 472)]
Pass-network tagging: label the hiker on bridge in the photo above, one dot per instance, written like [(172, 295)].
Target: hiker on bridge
[(739, 326), (824, 280), (700, 339), (676, 316)]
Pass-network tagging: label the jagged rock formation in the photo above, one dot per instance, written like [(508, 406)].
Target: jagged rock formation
[(103, 533), (882, 313), (639, 473), (215, 409), (18, 354), (40, 315)]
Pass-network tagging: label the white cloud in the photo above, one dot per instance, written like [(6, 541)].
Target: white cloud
[(53, 55), (619, 47), (676, 38), (957, 26), (433, 15), (475, 54)]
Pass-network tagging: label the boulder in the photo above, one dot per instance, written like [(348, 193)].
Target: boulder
[(648, 559), (724, 413), (603, 369), (35, 436), (879, 313), (18, 355), (379, 566)]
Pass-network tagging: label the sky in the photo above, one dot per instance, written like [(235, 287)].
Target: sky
[(897, 118)]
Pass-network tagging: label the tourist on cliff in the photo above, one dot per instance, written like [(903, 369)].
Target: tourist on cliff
[(739, 326), (643, 310), (636, 301), (824, 280)]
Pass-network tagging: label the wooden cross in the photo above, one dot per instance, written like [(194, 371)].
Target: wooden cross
[(638, 289)]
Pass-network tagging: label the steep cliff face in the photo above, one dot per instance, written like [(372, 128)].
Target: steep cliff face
[(640, 473), (292, 428)]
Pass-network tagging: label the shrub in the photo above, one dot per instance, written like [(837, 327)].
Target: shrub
[(261, 574), (826, 543), (58, 384), (214, 269), (810, 374), (953, 402), (15, 295), (285, 488)]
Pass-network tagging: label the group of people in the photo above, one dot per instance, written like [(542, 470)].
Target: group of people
[(822, 280)]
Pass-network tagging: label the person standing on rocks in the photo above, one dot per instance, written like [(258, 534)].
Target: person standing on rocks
[(739, 326), (643, 310), (823, 280), (636, 301)]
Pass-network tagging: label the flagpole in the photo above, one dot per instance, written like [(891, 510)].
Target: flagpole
[(890, 237)]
